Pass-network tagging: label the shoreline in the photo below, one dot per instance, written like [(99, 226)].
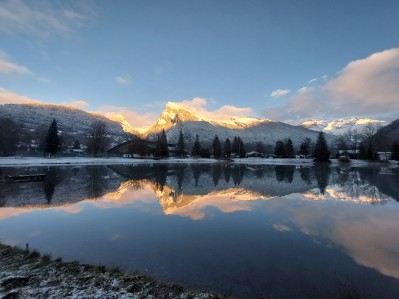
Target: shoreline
[(28, 274), (34, 161)]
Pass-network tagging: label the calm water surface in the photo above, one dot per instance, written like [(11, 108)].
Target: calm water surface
[(249, 231)]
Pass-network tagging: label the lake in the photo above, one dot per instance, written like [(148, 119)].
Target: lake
[(258, 231)]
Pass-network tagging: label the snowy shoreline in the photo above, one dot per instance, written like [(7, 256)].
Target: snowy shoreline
[(27, 274), (33, 161)]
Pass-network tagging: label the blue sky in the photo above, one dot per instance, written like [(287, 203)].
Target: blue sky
[(284, 60)]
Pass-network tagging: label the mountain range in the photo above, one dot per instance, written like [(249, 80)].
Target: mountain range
[(340, 126), (175, 118)]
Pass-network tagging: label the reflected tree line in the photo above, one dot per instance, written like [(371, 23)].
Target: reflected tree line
[(355, 182), (96, 181), (93, 181)]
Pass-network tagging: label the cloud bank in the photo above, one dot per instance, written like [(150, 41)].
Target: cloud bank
[(8, 97), (365, 87)]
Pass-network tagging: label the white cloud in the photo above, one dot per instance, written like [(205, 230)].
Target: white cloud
[(198, 106), (80, 104), (313, 80), (365, 87), (42, 18), (135, 119), (8, 97), (280, 92), (122, 80), (304, 89), (7, 66)]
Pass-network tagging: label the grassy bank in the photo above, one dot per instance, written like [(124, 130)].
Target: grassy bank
[(27, 274)]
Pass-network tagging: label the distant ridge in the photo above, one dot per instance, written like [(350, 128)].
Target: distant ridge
[(340, 126), (70, 120)]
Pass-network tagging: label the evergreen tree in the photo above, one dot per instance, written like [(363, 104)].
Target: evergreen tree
[(241, 148), (304, 148), (321, 151), (289, 149), (217, 148), (227, 148), (235, 146), (197, 147), (157, 149), (52, 139), (181, 145), (279, 149), (362, 151), (163, 144), (9, 136), (395, 151)]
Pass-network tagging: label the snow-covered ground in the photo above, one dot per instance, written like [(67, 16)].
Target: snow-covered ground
[(25, 274), (29, 161)]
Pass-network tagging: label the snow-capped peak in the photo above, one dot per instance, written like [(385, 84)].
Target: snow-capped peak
[(123, 122), (341, 125), (172, 106), (243, 122)]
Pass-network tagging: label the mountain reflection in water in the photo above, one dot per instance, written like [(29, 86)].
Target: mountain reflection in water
[(250, 231), (178, 185)]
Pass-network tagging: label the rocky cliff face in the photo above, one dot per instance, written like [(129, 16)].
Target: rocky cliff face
[(251, 130)]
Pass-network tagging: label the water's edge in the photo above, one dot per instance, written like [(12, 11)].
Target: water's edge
[(28, 274)]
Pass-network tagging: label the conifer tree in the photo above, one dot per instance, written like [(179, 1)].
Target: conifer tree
[(163, 145), (197, 147), (157, 149), (181, 145), (227, 148), (362, 151), (321, 151), (217, 148), (52, 139), (241, 148), (289, 149), (279, 149), (304, 148), (235, 146)]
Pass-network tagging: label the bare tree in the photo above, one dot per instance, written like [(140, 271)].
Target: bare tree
[(353, 139), (97, 141), (369, 139)]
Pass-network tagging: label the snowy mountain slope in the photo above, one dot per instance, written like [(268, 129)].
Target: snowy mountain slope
[(70, 120), (251, 130), (119, 118), (340, 126)]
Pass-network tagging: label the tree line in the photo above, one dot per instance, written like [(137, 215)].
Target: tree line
[(49, 141), (354, 144)]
